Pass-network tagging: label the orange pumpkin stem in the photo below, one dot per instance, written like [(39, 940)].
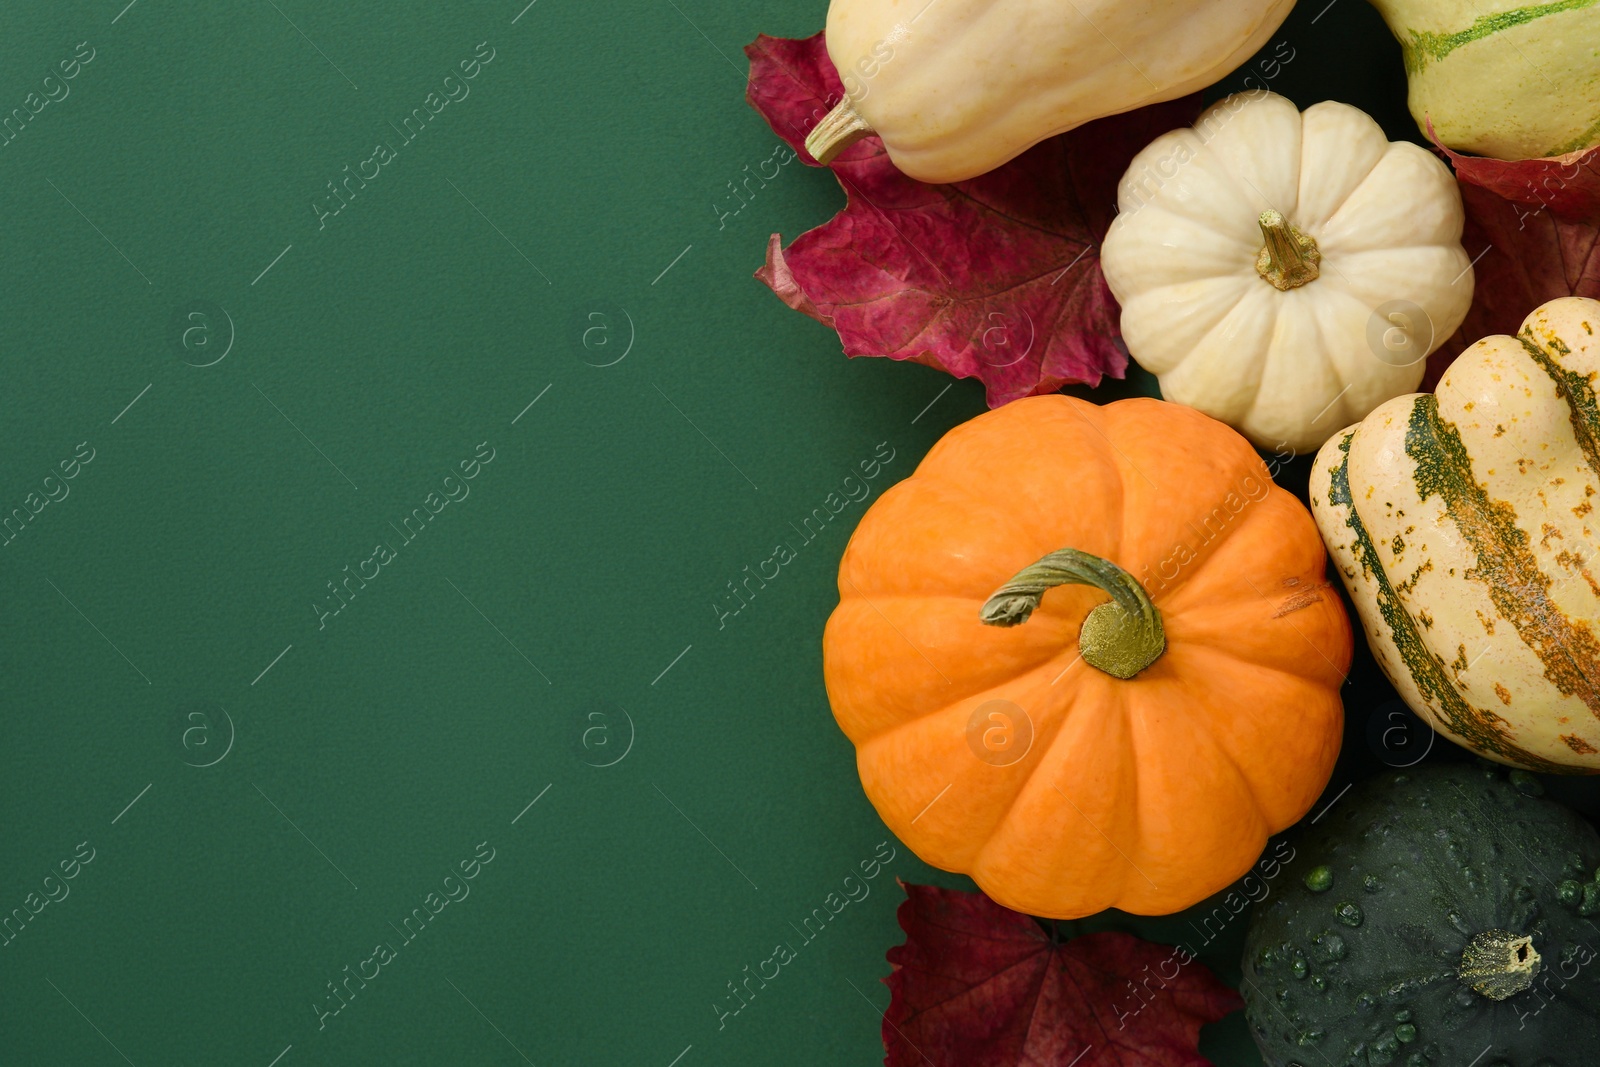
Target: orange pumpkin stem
[(1121, 637)]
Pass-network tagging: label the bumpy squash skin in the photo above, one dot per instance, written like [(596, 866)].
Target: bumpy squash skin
[(1148, 794), (1430, 857), (957, 87), (1464, 524), (1511, 79)]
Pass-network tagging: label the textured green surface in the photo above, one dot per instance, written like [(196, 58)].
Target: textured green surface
[(1366, 967), (175, 597)]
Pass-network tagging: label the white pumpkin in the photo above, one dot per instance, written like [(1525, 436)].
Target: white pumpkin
[(1286, 273), (1464, 524)]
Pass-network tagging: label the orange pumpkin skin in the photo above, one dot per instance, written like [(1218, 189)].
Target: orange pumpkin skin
[(1148, 794)]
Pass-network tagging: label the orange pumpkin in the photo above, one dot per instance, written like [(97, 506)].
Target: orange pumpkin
[(1134, 752)]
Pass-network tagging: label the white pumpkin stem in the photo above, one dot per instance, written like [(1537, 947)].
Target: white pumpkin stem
[(1121, 637), (838, 130), (1290, 257)]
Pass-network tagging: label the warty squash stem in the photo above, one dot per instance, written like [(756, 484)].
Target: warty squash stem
[(1498, 964), (1290, 257), (1120, 637), (838, 130)]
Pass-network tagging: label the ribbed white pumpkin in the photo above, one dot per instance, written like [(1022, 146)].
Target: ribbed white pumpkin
[(1286, 366), (1466, 525)]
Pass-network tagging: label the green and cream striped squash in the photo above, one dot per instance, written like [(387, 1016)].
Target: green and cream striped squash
[(1466, 526), (1503, 79)]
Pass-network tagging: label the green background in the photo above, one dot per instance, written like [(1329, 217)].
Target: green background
[(159, 617)]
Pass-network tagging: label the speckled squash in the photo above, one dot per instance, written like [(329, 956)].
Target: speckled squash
[(1464, 526), (1503, 78), (1437, 916)]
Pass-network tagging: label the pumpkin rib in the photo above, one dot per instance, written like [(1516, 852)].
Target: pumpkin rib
[(1275, 815), (1255, 520), (1194, 309), (1369, 386), (890, 553), (1014, 779), (1159, 451), (1315, 166), (1218, 354), (1323, 223), (1158, 247), (1420, 220), (1171, 197), (1215, 646), (1155, 742), (1040, 778), (1236, 144), (1010, 439), (1290, 387), (1052, 650), (990, 693)]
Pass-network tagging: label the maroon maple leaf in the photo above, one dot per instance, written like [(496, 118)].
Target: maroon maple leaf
[(996, 278), (977, 985), (1568, 185), (1524, 257)]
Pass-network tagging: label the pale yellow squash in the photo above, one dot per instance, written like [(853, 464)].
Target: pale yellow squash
[(1502, 78), (1466, 525), (957, 87)]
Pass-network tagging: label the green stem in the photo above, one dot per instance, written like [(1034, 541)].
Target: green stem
[(1290, 257), (1121, 637)]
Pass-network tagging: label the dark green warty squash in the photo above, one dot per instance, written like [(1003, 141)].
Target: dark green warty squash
[(1436, 917)]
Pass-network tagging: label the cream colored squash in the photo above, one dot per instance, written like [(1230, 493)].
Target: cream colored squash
[(1286, 273), (957, 87), (1466, 525), (1502, 78)]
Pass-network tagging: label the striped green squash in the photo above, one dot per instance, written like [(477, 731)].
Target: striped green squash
[(1465, 526), (1504, 79)]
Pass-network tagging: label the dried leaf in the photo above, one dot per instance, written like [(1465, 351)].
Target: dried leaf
[(996, 278), (1524, 257), (981, 986)]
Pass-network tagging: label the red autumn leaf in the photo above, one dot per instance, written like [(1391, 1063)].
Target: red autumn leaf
[(1525, 256), (1568, 185), (996, 278), (981, 986)]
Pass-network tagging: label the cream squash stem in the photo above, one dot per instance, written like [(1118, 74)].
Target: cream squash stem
[(1290, 257), (838, 130)]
